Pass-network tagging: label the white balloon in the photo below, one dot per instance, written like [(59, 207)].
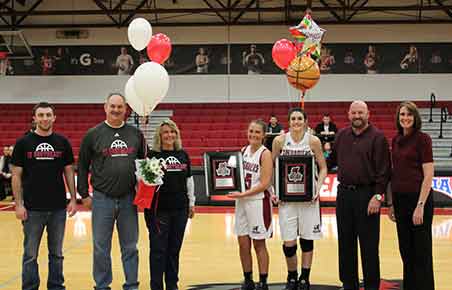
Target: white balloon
[(134, 101), (139, 33), (151, 83)]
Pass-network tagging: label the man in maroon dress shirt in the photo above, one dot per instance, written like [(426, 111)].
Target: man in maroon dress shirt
[(361, 153)]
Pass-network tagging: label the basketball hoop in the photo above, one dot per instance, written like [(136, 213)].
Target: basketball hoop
[(3, 54)]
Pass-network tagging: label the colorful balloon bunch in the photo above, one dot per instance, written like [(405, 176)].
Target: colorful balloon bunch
[(150, 82), (298, 57)]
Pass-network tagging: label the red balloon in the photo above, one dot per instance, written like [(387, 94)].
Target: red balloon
[(283, 52), (159, 48)]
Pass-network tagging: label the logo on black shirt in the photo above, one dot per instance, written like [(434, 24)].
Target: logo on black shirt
[(173, 164), (44, 151), (118, 148)]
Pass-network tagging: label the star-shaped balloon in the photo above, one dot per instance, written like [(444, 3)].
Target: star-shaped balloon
[(308, 36)]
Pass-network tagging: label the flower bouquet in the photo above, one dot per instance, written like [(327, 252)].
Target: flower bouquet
[(149, 174)]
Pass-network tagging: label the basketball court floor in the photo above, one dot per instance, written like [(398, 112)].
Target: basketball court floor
[(209, 257)]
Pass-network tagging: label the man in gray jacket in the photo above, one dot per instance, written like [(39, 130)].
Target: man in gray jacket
[(108, 152)]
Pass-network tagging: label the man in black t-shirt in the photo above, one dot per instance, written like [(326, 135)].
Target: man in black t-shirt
[(40, 159), (108, 151), (274, 126)]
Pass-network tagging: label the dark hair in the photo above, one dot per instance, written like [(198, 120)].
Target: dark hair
[(261, 123), (412, 108), (43, 105), (116, 94), (273, 116), (326, 114), (293, 110)]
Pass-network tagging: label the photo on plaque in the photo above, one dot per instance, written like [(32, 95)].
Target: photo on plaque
[(295, 177), (223, 172)]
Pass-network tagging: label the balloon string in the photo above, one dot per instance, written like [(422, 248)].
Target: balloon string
[(302, 99)]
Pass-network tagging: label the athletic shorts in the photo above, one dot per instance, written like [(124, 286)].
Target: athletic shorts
[(253, 218), (300, 219)]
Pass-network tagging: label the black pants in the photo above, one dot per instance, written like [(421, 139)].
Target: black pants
[(166, 233), (2, 190), (353, 223), (415, 242)]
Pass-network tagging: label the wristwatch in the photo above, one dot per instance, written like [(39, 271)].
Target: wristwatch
[(420, 203), (379, 197)]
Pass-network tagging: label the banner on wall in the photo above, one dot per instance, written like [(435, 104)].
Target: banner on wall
[(117, 60), (441, 185), (251, 58)]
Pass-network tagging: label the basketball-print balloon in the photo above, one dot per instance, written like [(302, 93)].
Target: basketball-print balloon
[(303, 73)]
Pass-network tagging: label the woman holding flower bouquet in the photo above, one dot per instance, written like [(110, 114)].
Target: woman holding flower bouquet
[(253, 208), (172, 205)]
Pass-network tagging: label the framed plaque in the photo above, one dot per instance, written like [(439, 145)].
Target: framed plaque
[(295, 177), (223, 172)]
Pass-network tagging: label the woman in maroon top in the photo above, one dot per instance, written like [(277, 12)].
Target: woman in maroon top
[(411, 204)]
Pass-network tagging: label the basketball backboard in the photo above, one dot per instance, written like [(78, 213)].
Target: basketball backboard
[(15, 44)]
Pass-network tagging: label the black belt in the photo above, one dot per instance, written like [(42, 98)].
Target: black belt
[(355, 187)]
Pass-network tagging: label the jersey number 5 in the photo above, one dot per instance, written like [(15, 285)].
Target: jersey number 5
[(248, 178)]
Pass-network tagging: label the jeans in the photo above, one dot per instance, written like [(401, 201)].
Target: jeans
[(105, 212), (166, 234), (33, 227)]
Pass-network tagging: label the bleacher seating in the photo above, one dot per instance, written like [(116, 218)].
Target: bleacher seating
[(73, 120), (204, 127)]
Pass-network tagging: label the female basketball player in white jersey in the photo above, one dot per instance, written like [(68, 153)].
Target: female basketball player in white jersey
[(253, 208), (300, 219)]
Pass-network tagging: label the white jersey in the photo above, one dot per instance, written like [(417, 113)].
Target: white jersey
[(252, 170), (290, 147), (299, 219), (253, 214)]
